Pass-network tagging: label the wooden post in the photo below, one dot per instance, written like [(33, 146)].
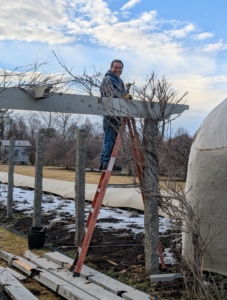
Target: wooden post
[(80, 184), (37, 210), (150, 189), (10, 177)]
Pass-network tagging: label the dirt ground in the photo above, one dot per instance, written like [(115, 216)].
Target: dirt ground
[(117, 253)]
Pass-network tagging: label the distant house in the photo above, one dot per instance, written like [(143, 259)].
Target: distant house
[(21, 151)]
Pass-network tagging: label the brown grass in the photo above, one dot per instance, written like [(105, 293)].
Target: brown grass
[(17, 245), (60, 173)]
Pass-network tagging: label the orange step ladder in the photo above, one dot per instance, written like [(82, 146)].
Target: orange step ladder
[(101, 190)]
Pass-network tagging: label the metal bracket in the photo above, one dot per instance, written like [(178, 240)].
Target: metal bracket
[(42, 91)]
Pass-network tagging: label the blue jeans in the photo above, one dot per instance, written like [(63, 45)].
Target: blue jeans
[(110, 128)]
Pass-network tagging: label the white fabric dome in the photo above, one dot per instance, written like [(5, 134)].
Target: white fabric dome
[(212, 134), (207, 188)]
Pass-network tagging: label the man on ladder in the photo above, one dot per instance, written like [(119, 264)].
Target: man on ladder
[(113, 87)]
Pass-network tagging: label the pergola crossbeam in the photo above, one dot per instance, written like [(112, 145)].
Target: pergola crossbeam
[(18, 99)]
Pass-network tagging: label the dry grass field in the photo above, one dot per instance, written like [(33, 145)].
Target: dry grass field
[(60, 173)]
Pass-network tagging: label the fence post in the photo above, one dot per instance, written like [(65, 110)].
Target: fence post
[(80, 184), (10, 177), (150, 189), (37, 210)]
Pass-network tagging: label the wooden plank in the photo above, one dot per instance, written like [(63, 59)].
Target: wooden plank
[(116, 287), (43, 263), (100, 279), (58, 259), (136, 295), (24, 266), (57, 284), (79, 282), (13, 287), (13, 98), (68, 292), (6, 256), (165, 277), (16, 274), (49, 280), (29, 254), (86, 285), (54, 283), (19, 293), (7, 279)]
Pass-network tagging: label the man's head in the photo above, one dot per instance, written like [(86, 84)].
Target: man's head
[(116, 67)]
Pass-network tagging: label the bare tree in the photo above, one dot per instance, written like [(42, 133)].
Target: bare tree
[(64, 121), (32, 120), (174, 154), (4, 118), (47, 119), (17, 127)]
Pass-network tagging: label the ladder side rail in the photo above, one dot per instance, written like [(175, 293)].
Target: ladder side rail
[(135, 156), (137, 142)]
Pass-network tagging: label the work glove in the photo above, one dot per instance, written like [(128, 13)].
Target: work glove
[(128, 97)]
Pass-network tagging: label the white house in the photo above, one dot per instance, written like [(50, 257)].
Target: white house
[(21, 151)]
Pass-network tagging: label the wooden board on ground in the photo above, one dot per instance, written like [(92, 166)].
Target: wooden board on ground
[(98, 278), (13, 287), (56, 284), (17, 275), (80, 282), (52, 272)]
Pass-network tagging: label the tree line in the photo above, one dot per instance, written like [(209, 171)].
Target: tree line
[(60, 131)]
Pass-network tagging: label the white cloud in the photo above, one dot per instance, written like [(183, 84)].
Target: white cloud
[(69, 21), (182, 32), (129, 4), (205, 92), (141, 33), (125, 14), (205, 35), (33, 21), (219, 46)]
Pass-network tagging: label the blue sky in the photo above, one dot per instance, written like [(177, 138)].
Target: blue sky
[(184, 40)]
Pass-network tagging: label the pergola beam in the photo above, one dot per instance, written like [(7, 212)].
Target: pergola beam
[(15, 98)]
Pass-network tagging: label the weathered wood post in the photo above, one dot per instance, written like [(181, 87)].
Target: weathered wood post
[(80, 184), (10, 177), (150, 189), (37, 210)]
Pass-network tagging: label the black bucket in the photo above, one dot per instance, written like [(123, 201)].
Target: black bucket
[(36, 238)]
